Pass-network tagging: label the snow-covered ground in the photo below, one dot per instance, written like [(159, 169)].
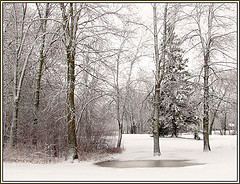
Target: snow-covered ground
[(219, 165)]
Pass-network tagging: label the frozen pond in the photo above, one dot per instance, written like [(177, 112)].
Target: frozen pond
[(147, 163)]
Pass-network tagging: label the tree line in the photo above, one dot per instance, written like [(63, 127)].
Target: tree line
[(74, 78)]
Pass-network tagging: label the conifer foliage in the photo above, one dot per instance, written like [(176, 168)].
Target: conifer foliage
[(176, 106)]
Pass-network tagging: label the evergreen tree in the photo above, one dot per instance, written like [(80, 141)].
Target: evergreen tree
[(176, 106)]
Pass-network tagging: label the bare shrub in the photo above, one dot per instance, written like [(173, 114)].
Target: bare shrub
[(24, 154)]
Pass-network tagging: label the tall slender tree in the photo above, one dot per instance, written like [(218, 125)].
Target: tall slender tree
[(156, 149), (70, 16), (117, 86), (159, 75), (215, 37), (21, 56), (43, 28)]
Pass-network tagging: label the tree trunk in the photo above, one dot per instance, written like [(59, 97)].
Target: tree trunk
[(174, 129), (70, 22), (41, 56), (39, 73), (156, 147), (72, 139), (120, 125), (160, 65), (212, 122), (225, 124), (119, 135), (215, 112), (206, 145), (13, 134), (17, 86), (211, 126)]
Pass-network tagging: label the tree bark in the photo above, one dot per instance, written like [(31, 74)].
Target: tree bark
[(13, 134), (206, 145), (156, 147), (225, 124), (160, 66), (212, 122), (120, 126), (119, 135), (72, 140), (41, 56), (120, 123), (174, 128)]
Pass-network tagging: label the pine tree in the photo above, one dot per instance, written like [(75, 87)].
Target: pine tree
[(176, 89)]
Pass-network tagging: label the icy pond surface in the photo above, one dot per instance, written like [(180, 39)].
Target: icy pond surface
[(146, 163)]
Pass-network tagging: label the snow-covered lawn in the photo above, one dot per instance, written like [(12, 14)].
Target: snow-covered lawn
[(219, 165)]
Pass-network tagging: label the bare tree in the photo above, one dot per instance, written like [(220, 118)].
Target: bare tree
[(43, 27), (159, 75), (70, 16), (117, 86), (215, 108), (128, 108), (21, 55), (206, 56), (215, 37)]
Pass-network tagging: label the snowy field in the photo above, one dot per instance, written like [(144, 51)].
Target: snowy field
[(219, 165)]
